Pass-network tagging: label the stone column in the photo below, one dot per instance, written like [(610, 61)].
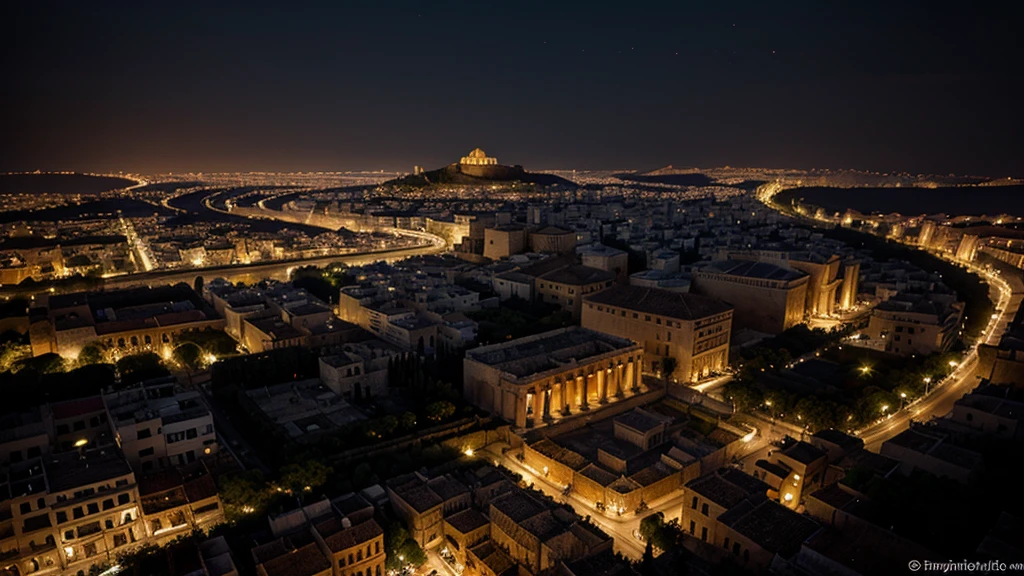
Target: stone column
[(538, 407), (631, 376), (548, 396), (582, 381), (520, 410), (557, 403), (568, 395), (602, 386)]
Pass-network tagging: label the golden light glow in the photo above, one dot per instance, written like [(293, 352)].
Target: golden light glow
[(81, 442)]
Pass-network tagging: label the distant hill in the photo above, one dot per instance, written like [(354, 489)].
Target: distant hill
[(60, 183), (451, 174), (666, 176)]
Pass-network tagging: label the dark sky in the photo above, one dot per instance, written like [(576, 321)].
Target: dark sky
[(931, 87)]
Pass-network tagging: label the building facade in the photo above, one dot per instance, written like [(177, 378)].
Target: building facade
[(545, 376), (691, 329)]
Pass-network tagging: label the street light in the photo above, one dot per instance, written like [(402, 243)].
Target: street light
[(903, 396)]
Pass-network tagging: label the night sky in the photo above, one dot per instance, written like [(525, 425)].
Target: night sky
[(931, 87)]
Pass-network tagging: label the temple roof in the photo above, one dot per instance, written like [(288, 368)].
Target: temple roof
[(477, 153)]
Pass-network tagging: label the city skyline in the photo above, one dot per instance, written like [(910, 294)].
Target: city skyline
[(122, 87), (443, 288)]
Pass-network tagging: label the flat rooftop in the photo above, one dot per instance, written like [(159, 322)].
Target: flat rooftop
[(753, 269), (678, 305), (562, 348)]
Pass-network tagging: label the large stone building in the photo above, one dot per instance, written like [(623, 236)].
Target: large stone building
[(765, 297), (691, 329), (122, 321), (545, 376), (910, 323), (504, 241), (567, 286), (821, 267), (553, 239)]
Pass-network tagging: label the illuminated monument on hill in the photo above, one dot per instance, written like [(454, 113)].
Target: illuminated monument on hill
[(478, 158), (479, 165)]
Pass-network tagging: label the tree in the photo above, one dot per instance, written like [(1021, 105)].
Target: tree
[(388, 425), (49, 363), (189, 355), (668, 367), (12, 352), (744, 396), (91, 353), (304, 476), (439, 411), (407, 421), (243, 494), (395, 538), (651, 524), (647, 567), (412, 553), (138, 367)]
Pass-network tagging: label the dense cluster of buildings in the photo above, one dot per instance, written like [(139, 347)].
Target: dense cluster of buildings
[(87, 480), (487, 525)]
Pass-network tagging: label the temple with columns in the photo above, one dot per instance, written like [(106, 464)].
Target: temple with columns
[(545, 377), (478, 158)]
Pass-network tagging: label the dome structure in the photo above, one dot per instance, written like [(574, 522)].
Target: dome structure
[(478, 158)]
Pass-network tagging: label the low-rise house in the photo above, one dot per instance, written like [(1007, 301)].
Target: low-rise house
[(921, 449)]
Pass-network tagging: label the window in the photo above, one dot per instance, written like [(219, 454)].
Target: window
[(341, 562), (726, 544), (190, 433), (704, 534), (108, 503), (63, 429), (90, 550), (109, 524), (693, 526), (146, 452), (120, 540), (144, 433), (704, 509), (94, 421), (69, 535), (123, 499), (736, 548), (377, 547), (78, 513), (26, 507), (694, 504), (93, 508), (80, 425), (62, 517)]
